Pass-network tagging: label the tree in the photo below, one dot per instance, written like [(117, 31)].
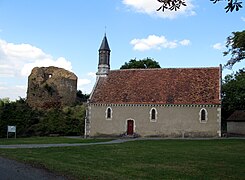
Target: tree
[(33, 122), (176, 4), (17, 113), (233, 93), (236, 48), (141, 64), (4, 101), (82, 97), (231, 5)]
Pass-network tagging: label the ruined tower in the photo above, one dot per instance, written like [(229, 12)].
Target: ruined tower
[(51, 87)]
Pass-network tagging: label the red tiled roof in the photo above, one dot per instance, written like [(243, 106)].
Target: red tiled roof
[(159, 86)]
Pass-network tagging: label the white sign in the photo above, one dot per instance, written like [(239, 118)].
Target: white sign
[(12, 129)]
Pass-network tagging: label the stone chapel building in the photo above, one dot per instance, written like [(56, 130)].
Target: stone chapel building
[(163, 102)]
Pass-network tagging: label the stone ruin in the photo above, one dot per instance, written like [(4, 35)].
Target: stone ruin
[(51, 87)]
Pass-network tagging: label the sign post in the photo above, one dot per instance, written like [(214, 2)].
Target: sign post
[(11, 129)]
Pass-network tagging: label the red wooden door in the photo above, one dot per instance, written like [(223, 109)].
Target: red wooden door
[(130, 130)]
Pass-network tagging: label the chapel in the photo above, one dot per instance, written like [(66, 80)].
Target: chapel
[(161, 102)]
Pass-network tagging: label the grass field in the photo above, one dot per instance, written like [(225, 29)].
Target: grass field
[(145, 159), (48, 140)]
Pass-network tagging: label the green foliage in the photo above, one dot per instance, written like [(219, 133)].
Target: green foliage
[(176, 4), (231, 5), (18, 114), (75, 119), (4, 101), (82, 97), (171, 4), (236, 48), (32, 122), (141, 64), (233, 93)]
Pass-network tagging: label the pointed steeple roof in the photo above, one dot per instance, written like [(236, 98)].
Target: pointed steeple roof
[(104, 45)]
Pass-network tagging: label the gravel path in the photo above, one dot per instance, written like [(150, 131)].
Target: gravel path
[(116, 141), (62, 145)]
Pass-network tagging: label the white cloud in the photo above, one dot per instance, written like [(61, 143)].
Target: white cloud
[(16, 63), (21, 87), (149, 7), (19, 59), (243, 19), (13, 92), (92, 74), (86, 83), (218, 46), (82, 82), (3, 88), (60, 62), (185, 42), (156, 42)]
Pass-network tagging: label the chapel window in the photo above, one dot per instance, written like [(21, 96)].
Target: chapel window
[(153, 115), (203, 115), (108, 113)]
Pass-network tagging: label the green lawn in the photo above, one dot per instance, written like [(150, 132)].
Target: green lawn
[(146, 159), (48, 140)]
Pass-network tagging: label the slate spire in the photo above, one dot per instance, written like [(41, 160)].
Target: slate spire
[(104, 45)]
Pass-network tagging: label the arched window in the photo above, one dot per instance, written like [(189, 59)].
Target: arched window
[(203, 115), (153, 115), (109, 113)]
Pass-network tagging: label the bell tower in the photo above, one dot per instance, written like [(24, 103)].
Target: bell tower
[(104, 58)]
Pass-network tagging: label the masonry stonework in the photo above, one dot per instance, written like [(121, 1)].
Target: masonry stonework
[(50, 87), (172, 121)]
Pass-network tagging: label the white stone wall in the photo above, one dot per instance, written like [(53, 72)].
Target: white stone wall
[(172, 121), (236, 127)]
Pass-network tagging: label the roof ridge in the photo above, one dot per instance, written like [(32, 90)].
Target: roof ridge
[(151, 69)]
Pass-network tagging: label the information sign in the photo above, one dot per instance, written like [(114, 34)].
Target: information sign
[(11, 129)]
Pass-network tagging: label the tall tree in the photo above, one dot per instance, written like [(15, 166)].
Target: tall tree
[(81, 97), (236, 48), (4, 101), (176, 4), (141, 64), (233, 93)]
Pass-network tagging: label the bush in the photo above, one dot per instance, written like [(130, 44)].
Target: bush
[(31, 122)]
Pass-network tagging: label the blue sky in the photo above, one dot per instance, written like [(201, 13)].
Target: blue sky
[(68, 33)]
